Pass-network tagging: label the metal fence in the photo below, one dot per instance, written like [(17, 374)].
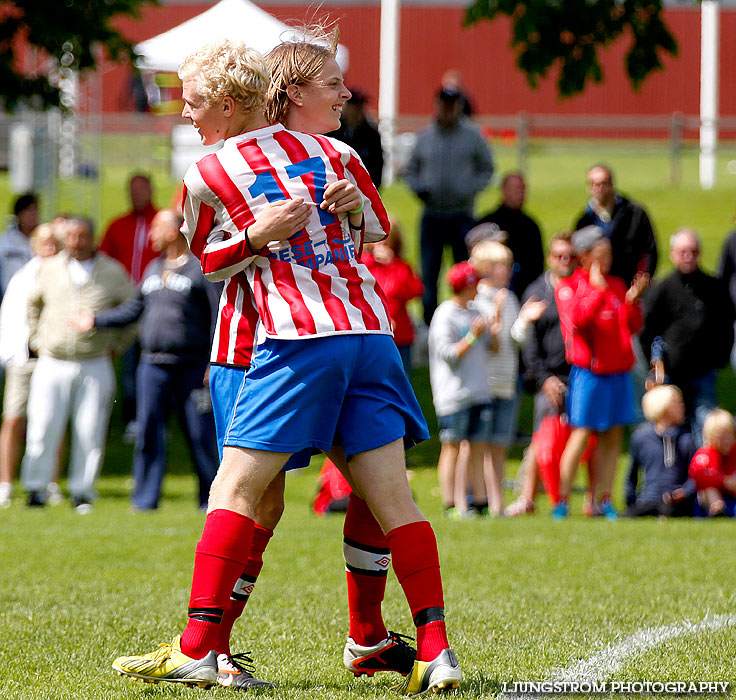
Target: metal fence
[(674, 133)]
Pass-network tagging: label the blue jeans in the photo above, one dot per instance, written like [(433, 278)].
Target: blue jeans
[(129, 368), (437, 231), (161, 390), (700, 399)]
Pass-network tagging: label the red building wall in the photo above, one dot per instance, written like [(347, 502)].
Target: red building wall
[(433, 40)]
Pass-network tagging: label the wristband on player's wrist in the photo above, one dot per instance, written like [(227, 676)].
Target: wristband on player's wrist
[(356, 228), (470, 337), (359, 209)]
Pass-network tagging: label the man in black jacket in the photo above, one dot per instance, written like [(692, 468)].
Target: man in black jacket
[(626, 224), (727, 274), (693, 314), (523, 235)]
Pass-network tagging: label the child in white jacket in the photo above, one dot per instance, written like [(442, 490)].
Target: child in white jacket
[(457, 370), (510, 327)]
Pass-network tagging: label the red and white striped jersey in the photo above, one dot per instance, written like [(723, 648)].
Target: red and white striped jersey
[(310, 285), (238, 323)]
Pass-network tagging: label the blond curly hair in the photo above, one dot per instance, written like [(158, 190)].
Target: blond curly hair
[(227, 68)]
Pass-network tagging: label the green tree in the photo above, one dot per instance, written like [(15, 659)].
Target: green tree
[(54, 33), (570, 33)]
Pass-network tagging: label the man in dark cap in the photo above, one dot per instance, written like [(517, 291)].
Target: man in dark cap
[(449, 166)]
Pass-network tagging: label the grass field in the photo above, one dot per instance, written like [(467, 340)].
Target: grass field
[(527, 599)]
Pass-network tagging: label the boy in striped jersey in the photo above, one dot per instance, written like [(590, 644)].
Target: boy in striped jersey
[(345, 375), (310, 73), (306, 93)]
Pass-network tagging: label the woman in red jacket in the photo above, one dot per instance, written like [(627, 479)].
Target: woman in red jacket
[(399, 284), (598, 316)]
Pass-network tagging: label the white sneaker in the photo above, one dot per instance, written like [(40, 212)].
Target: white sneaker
[(81, 505), (521, 506), (54, 495), (6, 493)]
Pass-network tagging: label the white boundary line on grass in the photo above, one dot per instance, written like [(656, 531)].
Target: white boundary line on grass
[(602, 664), (606, 662)]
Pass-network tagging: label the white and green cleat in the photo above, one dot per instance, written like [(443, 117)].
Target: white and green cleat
[(440, 675), (168, 663)]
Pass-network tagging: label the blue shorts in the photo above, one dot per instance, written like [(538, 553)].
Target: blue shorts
[(504, 419), (599, 401), (347, 389), (472, 424), (225, 383)]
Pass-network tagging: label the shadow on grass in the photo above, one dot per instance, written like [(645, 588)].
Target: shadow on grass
[(477, 685)]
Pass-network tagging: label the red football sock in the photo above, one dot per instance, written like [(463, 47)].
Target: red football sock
[(367, 558), (244, 585), (220, 556), (417, 567)]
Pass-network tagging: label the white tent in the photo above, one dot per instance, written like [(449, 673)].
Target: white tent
[(228, 19)]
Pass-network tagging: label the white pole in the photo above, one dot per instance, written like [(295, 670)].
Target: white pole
[(388, 77), (709, 45)]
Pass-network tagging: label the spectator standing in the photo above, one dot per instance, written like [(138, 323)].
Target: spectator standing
[(523, 235), (727, 274), (399, 284), (510, 328), (73, 376), (691, 311), (15, 248), (544, 359), (449, 166), (663, 449), (177, 309), (358, 131), (457, 371), (713, 468), (15, 356), (624, 223), (127, 241), (598, 316)]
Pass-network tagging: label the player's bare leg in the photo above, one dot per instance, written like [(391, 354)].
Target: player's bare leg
[(569, 466), (607, 452)]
